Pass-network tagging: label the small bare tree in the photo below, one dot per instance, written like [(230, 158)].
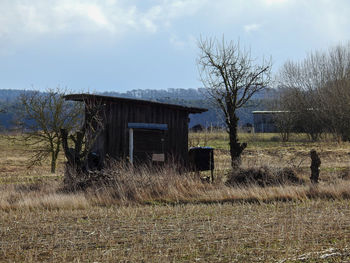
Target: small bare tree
[(231, 77), (41, 117)]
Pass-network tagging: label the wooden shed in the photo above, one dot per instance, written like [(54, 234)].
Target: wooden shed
[(142, 131)]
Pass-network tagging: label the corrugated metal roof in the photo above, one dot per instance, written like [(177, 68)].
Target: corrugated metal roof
[(83, 96)]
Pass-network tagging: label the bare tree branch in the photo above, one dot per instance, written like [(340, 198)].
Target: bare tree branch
[(41, 117), (321, 86), (231, 77)]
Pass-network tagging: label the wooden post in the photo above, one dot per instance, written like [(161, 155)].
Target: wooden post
[(131, 145), (211, 156), (315, 166)]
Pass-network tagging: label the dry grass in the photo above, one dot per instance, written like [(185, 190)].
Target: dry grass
[(42, 196), (184, 233), (167, 185), (164, 186), (14, 156), (165, 216)]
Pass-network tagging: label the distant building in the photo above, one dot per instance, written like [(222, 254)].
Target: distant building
[(264, 121), (248, 128)]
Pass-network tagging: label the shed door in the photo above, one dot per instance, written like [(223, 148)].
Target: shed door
[(149, 145)]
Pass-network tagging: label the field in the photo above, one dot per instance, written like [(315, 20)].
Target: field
[(181, 219)]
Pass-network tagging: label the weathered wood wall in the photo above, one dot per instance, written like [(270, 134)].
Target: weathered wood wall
[(115, 137)]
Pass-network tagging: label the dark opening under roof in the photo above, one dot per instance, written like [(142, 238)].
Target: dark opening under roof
[(83, 97)]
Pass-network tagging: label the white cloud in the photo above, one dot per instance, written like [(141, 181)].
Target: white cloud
[(181, 43), (272, 2), (32, 19), (63, 16), (251, 27), (68, 14), (175, 41), (22, 21)]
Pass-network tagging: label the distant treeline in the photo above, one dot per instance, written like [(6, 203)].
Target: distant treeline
[(9, 103)]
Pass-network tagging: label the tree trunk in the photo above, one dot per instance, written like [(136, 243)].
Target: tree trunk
[(75, 156), (53, 162), (236, 148)]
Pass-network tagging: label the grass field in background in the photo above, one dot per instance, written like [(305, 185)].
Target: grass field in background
[(193, 221)]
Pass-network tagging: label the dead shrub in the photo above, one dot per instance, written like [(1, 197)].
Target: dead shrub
[(76, 180), (263, 176), (120, 181)]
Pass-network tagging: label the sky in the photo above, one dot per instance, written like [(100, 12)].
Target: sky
[(120, 45)]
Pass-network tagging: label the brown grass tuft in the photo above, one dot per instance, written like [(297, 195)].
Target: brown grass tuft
[(263, 176), (32, 196)]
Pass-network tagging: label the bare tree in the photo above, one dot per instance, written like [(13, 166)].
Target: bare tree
[(41, 117), (321, 87), (295, 112), (282, 117), (300, 83), (335, 93), (231, 77)]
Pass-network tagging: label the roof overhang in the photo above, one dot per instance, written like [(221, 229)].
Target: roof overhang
[(86, 97)]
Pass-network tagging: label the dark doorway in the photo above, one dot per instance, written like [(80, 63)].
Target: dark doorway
[(149, 145)]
